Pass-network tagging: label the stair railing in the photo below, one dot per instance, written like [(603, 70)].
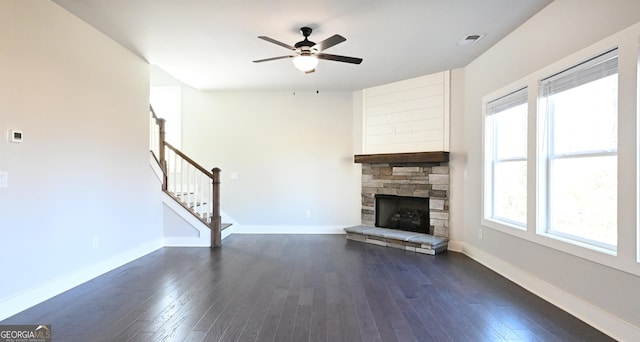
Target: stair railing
[(191, 185), (156, 134)]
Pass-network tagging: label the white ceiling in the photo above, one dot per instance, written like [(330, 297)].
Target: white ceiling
[(210, 44)]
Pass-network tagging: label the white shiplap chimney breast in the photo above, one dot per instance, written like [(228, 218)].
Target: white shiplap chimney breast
[(407, 116)]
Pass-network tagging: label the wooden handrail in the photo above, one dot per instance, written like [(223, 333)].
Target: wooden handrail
[(216, 222), (153, 113), (189, 160), (161, 140)]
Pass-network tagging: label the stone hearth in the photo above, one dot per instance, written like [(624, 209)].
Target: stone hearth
[(408, 179)]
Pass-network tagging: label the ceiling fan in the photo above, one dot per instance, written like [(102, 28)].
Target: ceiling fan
[(307, 52)]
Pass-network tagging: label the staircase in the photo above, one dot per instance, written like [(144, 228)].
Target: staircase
[(195, 188)]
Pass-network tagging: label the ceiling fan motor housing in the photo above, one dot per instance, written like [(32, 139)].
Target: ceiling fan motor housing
[(306, 31), (305, 45)]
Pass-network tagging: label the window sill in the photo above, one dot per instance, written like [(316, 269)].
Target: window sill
[(503, 226), (581, 250), (579, 244)]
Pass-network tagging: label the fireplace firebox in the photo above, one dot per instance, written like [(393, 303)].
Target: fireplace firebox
[(403, 213)]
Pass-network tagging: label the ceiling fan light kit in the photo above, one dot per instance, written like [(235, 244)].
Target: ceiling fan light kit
[(305, 63), (308, 53)]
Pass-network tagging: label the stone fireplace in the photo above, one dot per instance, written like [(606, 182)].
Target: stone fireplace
[(406, 213), (427, 180), (406, 197)]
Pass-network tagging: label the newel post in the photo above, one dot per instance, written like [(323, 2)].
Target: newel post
[(216, 220), (161, 156)]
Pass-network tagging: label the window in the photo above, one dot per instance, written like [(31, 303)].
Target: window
[(167, 104), (506, 159), (579, 107)]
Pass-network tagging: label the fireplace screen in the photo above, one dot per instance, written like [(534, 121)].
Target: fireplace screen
[(403, 213)]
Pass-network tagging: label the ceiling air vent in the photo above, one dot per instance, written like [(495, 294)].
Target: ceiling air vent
[(470, 39)]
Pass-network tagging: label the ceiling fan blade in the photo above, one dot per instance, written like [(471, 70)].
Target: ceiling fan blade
[(329, 42), (337, 58), (271, 40), (272, 59)]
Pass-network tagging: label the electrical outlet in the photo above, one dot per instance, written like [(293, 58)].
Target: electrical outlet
[(308, 213), (480, 233), (96, 242)]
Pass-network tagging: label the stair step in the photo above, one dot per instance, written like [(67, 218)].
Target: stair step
[(196, 204), (224, 226)]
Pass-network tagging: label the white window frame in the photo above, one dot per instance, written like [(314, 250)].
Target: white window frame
[(637, 154), (547, 154), (491, 107), (627, 256)]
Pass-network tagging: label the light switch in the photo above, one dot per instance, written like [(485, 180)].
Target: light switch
[(234, 176), (4, 179)]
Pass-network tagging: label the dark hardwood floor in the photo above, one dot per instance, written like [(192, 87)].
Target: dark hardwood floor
[(302, 288)]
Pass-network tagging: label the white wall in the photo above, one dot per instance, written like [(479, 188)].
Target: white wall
[(291, 152), (82, 171), (457, 159), (604, 296)]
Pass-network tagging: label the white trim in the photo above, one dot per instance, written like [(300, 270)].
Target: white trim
[(601, 320), (637, 160), (259, 229), (155, 167), (204, 232), (39, 294), (186, 241), (489, 158), (456, 246), (227, 232)]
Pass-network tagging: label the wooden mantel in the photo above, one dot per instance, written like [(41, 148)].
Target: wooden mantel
[(414, 157)]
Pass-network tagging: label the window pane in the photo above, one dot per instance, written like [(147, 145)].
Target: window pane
[(167, 104), (583, 198), (511, 132), (507, 166), (510, 191), (585, 117)]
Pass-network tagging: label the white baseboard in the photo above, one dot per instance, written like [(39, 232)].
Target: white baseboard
[(194, 241), (248, 229), (456, 246), (227, 232), (186, 242), (33, 296), (601, 320)]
